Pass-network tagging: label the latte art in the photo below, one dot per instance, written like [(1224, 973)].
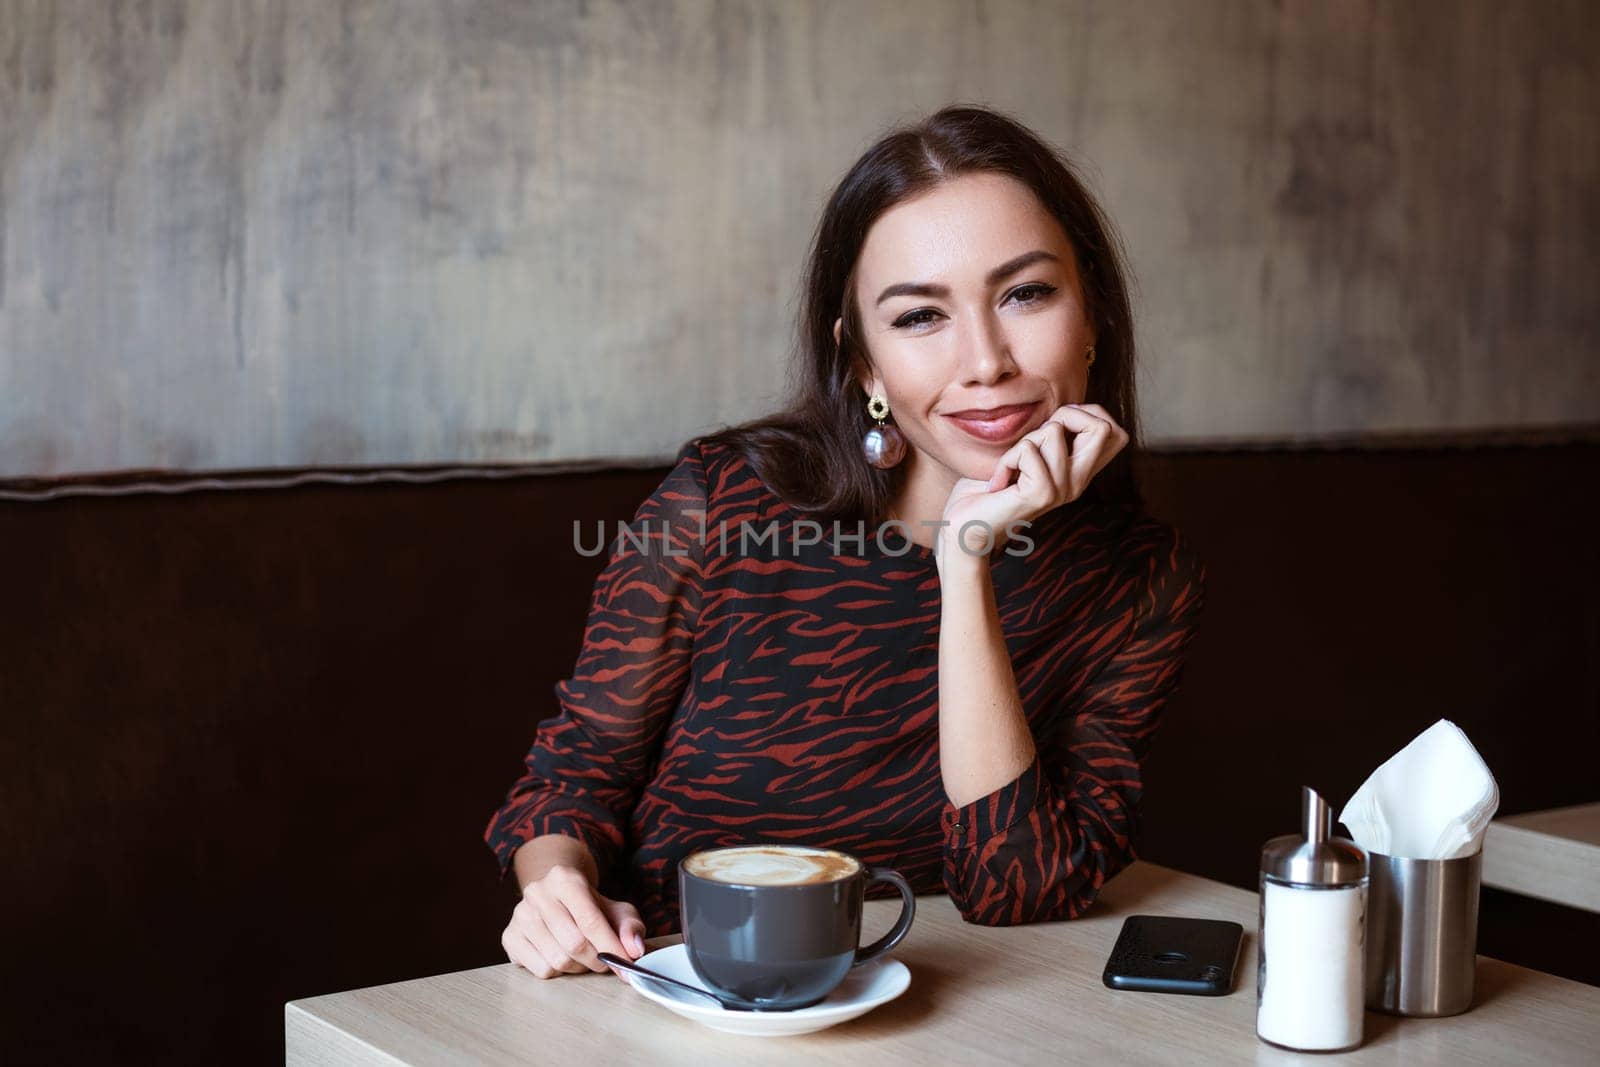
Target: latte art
[(772, 865)]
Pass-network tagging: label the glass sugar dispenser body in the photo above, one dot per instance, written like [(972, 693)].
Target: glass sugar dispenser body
[(1310, 948)]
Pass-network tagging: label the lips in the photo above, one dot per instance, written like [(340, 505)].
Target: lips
[(992, 425)]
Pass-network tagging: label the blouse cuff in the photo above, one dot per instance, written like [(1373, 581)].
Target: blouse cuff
[(988, 816)]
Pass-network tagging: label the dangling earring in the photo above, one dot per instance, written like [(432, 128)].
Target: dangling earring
[(883, 445), (1088, 357)]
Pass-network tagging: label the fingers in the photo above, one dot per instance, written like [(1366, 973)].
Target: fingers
[(1036, 481), (1081, 418), (1052, 441), (1097, 439), (555, 956), (1116, 433), (1088, 456), (1074, 444), (597, 930), (1090, 435), (630, 928), (1094, 447), (1010, 463), (560, 926), (571, 941), (1098, 412), (523, 951), (1049, 440)]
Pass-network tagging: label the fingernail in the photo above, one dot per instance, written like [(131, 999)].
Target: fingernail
[(638, 946)]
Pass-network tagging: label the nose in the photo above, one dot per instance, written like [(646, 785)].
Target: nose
[(985, 352)]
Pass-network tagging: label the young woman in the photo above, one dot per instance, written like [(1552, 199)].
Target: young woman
[(918, 615)]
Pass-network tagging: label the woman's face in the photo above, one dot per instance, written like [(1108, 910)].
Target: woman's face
[(969, 301)]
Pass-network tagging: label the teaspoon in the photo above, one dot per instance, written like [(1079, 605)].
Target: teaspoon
[(618, 963)]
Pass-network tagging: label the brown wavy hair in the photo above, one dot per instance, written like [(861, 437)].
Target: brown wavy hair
[(809, 453)]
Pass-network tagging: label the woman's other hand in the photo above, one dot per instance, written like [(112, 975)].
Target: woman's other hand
[(561, 923), (1040, 472)]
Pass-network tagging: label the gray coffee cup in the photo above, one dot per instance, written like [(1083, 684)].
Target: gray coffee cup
[(778, 927)]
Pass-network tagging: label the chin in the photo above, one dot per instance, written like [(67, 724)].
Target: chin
[(967, 457), (978, 463)]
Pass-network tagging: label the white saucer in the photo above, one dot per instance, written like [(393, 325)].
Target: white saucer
[(863, 989)]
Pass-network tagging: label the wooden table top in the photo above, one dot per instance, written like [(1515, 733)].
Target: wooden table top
[(1021, 994), (1553, 855)]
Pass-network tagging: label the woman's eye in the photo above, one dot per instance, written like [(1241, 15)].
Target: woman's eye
[(915, 318), (1032, 294)]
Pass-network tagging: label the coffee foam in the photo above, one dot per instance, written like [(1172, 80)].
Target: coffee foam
[(772, 865)]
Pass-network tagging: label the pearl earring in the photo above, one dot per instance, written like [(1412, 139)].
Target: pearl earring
[(883, 445)]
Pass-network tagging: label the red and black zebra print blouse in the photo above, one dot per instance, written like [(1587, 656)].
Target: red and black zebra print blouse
[(768, 692)]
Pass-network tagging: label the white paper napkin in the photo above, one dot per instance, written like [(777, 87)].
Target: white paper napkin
[(1431, 800)]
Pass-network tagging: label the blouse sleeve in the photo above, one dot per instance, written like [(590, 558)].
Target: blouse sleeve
[(590, 761), (1040, 847)]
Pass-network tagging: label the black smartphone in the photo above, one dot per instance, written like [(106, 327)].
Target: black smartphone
[(1168, 954)]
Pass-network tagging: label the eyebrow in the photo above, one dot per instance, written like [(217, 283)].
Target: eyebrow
[(1000, 273)]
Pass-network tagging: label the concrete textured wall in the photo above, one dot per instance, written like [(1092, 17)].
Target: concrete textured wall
[(254, 233)]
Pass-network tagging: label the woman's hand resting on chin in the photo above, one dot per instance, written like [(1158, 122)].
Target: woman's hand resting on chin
[(1038, 473)]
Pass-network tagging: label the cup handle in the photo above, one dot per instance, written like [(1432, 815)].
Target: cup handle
[(902, 925)]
